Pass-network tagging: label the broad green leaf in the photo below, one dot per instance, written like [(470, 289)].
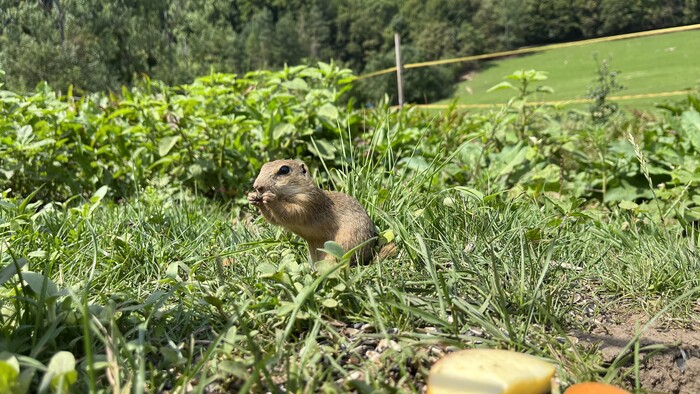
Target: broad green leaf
[(416, 163), (266, 269), (8, 376), (382, 195), (24, 134), (154, 297), (534, 234), (61, 373), (470, 192), (230, 338), (325, 67), (325, 266), (556, 222), (195, 170), (10, 270), (311, 72), (233, 368), (283, 131), (333, 249), (215, 301), (501, 86), (8, 173), (628, 205), (167, 143), (528, 75), (388, 235), (690, 122), (329, 111), (330, 303), (285, 308), (296, 84), (692, 214), (511, 157), (40, 144), (171, 357), (322, 149), (626, 192), (9, 373), (41, 254), (99, 194), (289, 263), (550, 173), (36, 282), (172, 271)]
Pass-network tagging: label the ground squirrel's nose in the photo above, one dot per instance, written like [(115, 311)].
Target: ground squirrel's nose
[(258, 188)]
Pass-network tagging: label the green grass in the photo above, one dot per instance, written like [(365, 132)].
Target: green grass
[(513, 227), (183, 293), (653, 64)]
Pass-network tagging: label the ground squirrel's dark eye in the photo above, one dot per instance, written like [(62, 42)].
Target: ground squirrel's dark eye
[(284, 170)]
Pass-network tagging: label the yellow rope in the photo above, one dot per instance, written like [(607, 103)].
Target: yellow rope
[(532, 49), (557, 102)]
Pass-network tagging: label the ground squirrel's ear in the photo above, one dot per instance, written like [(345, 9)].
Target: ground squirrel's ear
[(303, 169)]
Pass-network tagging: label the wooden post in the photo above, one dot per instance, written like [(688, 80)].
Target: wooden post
[(399, 67)]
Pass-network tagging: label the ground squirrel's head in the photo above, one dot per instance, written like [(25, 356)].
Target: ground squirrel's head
[(284, 178)]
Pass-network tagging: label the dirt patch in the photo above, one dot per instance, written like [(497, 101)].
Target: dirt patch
[(669, 352), (468, 76)]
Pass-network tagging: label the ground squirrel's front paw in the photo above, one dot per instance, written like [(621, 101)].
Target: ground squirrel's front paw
[(255, 198), (268, 197)]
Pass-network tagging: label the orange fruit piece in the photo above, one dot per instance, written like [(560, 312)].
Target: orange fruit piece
[(594, 388)]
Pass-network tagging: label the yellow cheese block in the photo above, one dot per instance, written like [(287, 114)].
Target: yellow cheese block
[(490, 371)]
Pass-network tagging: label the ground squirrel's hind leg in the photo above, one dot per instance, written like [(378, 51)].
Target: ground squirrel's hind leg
[(352, 240), (314, 253)]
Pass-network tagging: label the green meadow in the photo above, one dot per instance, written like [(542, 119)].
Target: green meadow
[(646, 65)]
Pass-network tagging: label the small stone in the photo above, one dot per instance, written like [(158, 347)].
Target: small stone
[(386, 344), (476, 331), (351, 332), (337, 323), (430, 330), (374, 357), (356, 375), (436, 352), (366, 328)]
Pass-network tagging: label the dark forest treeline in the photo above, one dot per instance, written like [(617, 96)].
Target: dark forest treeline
[(100, 45)]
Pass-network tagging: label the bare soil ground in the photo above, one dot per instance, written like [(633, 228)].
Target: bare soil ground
[(669, 351)]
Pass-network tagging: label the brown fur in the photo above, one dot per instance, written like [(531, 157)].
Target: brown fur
[(292, 200)]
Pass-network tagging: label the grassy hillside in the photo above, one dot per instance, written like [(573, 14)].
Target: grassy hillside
[(648, 65)]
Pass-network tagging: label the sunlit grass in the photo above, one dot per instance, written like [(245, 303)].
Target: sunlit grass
[(183, 293), (653, 64)]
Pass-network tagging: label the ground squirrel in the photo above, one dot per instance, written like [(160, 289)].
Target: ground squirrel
[(287, 196)]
